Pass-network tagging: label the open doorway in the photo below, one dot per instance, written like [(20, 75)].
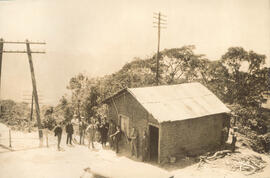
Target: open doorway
[(153, 139)]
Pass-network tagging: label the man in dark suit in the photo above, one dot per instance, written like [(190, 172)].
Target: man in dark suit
[(58, 133), (69, 131), (116, 138)]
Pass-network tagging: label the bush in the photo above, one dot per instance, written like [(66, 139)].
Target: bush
[(249, 118), (251, 123)]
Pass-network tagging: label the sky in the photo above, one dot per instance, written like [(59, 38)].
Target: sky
[(98, 37)]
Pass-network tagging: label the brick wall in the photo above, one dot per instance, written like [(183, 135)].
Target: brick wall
[(127, 105), (189, 136)]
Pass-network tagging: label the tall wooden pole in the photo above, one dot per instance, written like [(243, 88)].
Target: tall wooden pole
[(79, 114), (159, 23), (32, 102), (157, 56), (1, 57), (9, 133), (34, 90)]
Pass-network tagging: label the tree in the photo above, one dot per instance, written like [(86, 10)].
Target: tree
[(214, 75), (179, 64), (76, 86), (16, 114), (137, 73), (247, 76), (63, 111)]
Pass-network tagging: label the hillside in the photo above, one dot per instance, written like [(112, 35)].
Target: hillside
[(78, 161)]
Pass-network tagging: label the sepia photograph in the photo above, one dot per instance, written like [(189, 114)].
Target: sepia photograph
[(134, 89)]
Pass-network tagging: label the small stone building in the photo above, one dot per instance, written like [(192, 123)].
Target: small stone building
[(180, 119)]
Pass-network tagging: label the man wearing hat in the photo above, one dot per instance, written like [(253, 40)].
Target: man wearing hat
[(234, 138), (82, 127), (69, 131), (58, 133)]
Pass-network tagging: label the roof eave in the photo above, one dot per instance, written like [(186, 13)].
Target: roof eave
[(106, 100)]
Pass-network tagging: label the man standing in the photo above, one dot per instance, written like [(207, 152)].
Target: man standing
[(91, 129), (116, 138), (84, 130), (58, 134), (69, 131), (97, 127), (81, 131), (234, 138), (145, 147), (111, 131), (104, 132), (133, 138)]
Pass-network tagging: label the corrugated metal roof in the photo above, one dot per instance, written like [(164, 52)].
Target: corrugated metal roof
[(178, 102)]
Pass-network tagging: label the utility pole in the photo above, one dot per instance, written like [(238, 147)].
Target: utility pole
[(32, 103), (79, 114), (29, 99), (29, 54), (1, 56), (159, 23), (34, 88)]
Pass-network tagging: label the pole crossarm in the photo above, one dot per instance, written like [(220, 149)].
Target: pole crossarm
[(10, 51), (160, 27), (160, 23), (155, 13), (160, 18), (23, 42)]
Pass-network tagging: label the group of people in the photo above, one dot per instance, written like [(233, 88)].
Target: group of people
[(115, 137), (102, 131), (98, 130), (58, 133)]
